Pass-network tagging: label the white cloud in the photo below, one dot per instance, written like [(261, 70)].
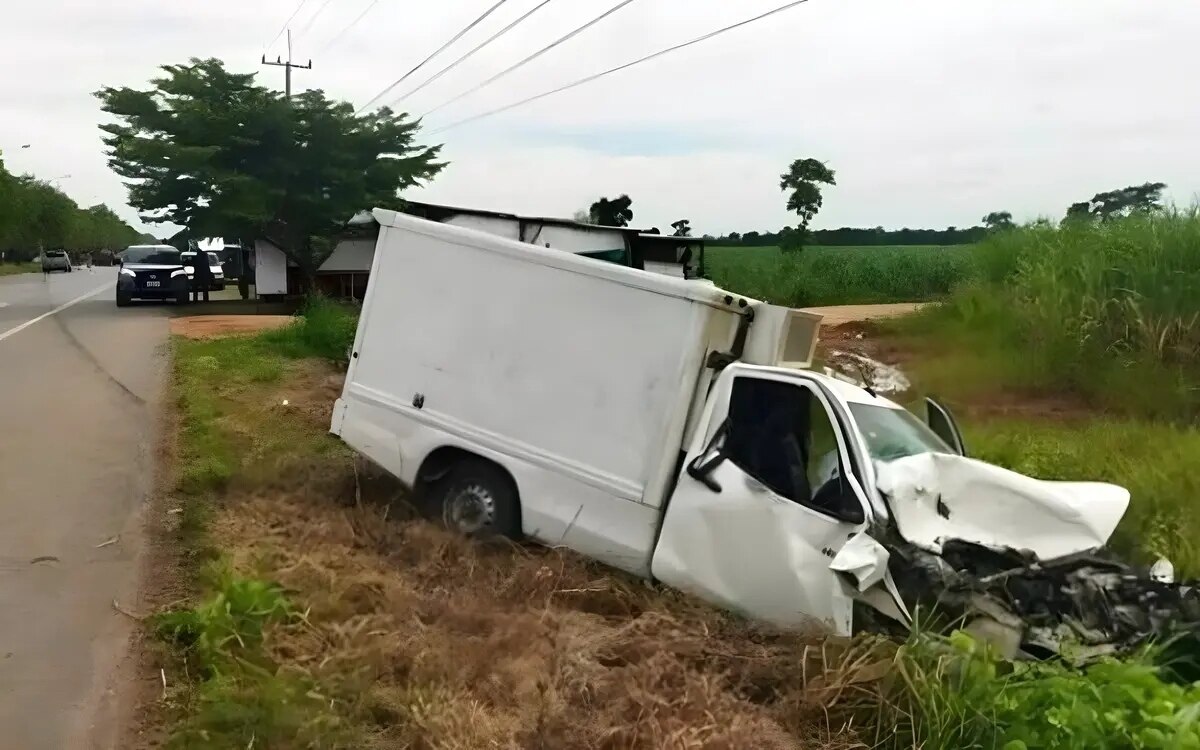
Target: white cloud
[(932, 112)]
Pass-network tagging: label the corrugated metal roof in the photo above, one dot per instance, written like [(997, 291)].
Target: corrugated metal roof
[(350, 256)]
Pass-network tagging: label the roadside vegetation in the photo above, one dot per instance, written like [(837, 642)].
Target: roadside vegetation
[(839, 275), (12, 269), (1074, 352), (326, 615)]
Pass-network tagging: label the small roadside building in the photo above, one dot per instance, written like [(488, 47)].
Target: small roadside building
[(344, 274)]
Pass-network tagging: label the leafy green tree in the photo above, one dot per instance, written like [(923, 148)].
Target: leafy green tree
[(804, 179), (214, 152), (617, 212), (998, 220), (1114, 204), (683, 228)]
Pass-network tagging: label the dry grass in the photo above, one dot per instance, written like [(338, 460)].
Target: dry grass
[(430, 640)]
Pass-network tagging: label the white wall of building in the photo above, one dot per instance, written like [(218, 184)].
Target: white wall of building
[(270, 269), (491, 224)]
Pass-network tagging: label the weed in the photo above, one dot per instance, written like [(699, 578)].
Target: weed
[(324, 329), (11, 269)]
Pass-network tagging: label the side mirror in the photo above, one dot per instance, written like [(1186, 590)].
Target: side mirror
[(837, 499), (703, 465)]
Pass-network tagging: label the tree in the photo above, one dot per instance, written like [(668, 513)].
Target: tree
[(214, 152), (683, 228), (653, 230), (1113, 204), (735, 237), (582, 216), (804, 179), (998, 220), (612, 213)]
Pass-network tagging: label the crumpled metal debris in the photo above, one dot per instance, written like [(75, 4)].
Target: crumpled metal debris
[(1020, 561), (1078, 607)]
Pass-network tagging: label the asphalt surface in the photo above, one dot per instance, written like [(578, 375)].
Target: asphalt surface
[(80, 383)]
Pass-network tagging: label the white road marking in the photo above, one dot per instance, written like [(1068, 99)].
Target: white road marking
[(55, 311)]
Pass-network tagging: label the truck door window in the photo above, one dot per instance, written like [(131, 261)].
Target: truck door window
[(781, 434)]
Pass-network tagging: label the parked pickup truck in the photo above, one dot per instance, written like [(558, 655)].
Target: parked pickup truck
[(673, 430)]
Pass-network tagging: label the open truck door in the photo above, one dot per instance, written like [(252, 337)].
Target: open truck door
[(942, 422), (765, 502)]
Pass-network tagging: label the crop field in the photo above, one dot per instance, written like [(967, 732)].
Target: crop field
[(840, 275)]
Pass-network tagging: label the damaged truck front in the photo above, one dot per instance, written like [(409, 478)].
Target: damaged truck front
[(672, 429)]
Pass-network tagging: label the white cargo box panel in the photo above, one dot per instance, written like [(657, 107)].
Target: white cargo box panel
[(782, 337), (567, 362)]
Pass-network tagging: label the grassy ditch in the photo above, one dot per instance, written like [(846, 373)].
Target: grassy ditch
[(326, 616), (839, 275)]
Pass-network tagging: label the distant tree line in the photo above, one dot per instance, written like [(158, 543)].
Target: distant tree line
[(35, 215), (857, 237)]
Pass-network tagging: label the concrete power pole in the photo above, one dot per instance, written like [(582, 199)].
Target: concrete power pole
[(287, 66)]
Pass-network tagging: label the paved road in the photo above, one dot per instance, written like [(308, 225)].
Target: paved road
[(79, 387)]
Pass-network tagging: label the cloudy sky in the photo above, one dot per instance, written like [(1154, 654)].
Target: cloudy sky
[(932, 112)]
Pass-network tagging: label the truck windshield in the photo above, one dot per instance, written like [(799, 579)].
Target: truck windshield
[(895, 433)]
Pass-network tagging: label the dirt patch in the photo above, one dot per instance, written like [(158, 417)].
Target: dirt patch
[(216, 326), (837, 315)]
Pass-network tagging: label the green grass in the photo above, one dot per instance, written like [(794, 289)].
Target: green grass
[(839, 275), (229, 693), (1107, 312), (324, 329), (12, 269)]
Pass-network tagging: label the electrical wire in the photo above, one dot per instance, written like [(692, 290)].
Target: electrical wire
[(352, 24), (534, 56), (283, 28), (483, 44), (436, 52), (640, 60), (313, 18)]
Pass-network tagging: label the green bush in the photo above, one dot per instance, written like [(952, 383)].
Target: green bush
[(956, 694)]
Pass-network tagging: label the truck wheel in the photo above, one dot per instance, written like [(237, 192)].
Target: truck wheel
[(123, 300), (181, 297), (478, 499)]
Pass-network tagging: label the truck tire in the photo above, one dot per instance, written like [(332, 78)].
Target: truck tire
[(123, 300), (477, 498)]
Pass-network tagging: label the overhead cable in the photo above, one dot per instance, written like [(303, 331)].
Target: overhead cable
[(534, 56), (436, 52), (352, 24), (285, 25), (483, 44), (619, 68)]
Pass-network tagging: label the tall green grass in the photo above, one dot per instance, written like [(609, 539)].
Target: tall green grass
[(839, 275), (1110, 311)]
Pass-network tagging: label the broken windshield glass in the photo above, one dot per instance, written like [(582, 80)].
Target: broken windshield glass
[(895, 433)]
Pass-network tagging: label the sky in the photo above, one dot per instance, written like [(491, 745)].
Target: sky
[(932, 113)]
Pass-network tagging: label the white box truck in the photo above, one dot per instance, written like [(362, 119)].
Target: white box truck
[(662, 426)]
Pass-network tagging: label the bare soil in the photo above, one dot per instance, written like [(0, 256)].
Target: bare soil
[(216, 326)]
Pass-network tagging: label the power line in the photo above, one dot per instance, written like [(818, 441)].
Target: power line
[(619, 68), (436, 52), (313, 18), (485, 43), (534, 56), (352, 24), (285, 25)]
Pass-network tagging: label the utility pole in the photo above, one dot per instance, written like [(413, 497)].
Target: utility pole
[(287, 66)]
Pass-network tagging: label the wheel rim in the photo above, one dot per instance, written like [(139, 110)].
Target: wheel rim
[(469, 509)]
